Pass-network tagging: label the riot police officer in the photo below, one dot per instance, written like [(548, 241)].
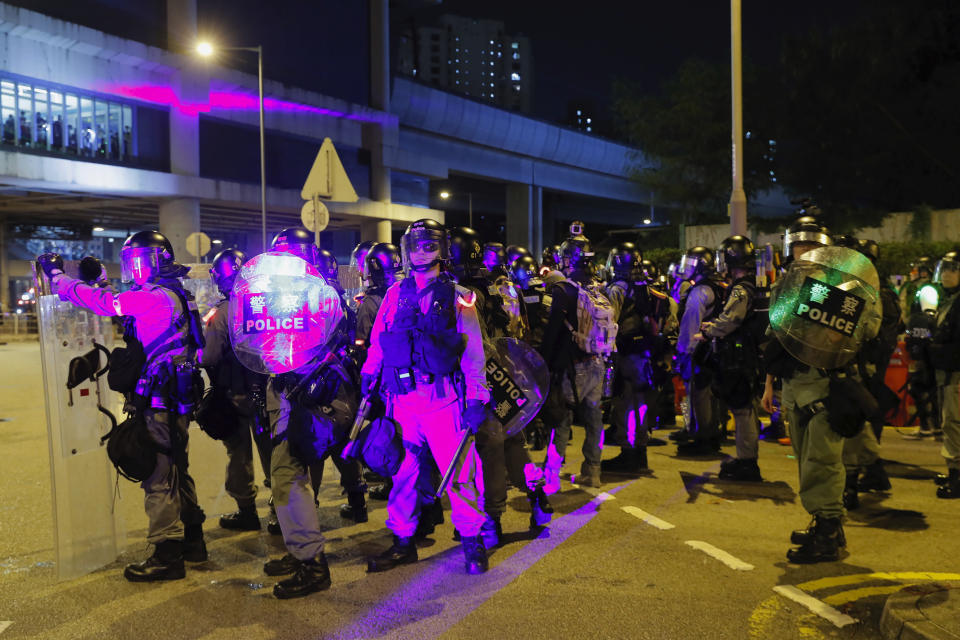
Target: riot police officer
[(166, 326), (921, 271), (580, 332), (245, 390), (640, 312), (818, 419), (945, 357), (526, 275), (427, 351), (495, 259), (702, 303), (734, 357)]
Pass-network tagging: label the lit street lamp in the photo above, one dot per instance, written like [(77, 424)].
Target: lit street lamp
[(206, 50)]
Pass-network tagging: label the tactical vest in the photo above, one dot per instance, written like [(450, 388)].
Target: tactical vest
[(422, 346), (719, 293), (536, 302), (638, 306)]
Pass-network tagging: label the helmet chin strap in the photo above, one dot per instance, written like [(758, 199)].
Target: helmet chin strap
[(425, 267)]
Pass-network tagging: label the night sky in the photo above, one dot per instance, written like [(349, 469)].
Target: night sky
[(579, 47)]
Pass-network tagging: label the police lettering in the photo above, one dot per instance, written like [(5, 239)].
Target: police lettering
[(260, 325), (826, 318), (499, 376)]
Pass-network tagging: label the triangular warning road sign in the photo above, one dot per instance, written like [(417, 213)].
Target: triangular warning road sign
[(328, 179)]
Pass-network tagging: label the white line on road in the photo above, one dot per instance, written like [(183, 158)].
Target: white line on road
[(822, 609), (5, 624), (649, 519), (731, 561), (603, 496)]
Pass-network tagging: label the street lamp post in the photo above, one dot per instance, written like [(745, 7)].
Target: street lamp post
[(206, 50), (738, 198)]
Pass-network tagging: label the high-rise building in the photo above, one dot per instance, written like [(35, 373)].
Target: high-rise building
[(473, 57)]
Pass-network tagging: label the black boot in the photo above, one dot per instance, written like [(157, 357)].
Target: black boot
[(491, 531), (629, 462), (244, 519), (194, 547), (541, 511), (874, 478), (822, 545), (166, 563), (381, 491), (800, 536), (951, 488), (851, 501), (430, 516), (475, 555), (356, 507), (281, 566), (273, 523), (403, 551), (313, 575), (740, 470)]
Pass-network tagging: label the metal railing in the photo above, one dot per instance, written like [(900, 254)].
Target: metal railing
[(18, 324)]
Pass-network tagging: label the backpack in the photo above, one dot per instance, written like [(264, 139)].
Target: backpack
[(596, 330), (511, 314)]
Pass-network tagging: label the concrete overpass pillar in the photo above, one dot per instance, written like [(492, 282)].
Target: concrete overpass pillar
[(376, 230), (379, 97), (181, 216), (525, 216), (4, 270)]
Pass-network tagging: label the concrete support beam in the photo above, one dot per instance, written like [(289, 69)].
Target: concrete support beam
[(376, 230), (379, 98), (4, 270), (525, 216), (178, 219)]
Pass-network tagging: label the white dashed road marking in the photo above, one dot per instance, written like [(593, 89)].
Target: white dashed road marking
[(652, 520), (604, 496), (820, 608), (5, 624), (731, 561)]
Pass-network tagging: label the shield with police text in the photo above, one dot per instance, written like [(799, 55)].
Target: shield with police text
[(519, 381), (826, 306), (282, 314)]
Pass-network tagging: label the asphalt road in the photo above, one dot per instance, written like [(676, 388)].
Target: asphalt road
[(677, 555)]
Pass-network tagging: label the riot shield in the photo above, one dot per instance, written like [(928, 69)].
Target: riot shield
[(826, 306), (351, 283), (284, 313), (519, 382), (88, 532), (204, 290)]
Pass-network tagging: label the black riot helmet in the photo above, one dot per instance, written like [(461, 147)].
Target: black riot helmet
[(328, 267), (145, 255), (550, 258), (514, 251), (651, 272), (225, 267), (624, 262), (495, 257), (805, 229), (696, 263), (296, 241), (466, 252), (427, 235), (384, 266), (921, 264), (845, 240), (949, 262), (736, 252), (358, 256), (869, 248), (576, 254), (524, 272)]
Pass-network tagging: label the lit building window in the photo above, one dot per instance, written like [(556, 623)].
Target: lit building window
[(516, 78), (516, 56), (589, 121), (514, 45)]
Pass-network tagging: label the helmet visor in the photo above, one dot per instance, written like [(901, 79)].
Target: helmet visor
[(139, 264), (945, 266), (688, 267)]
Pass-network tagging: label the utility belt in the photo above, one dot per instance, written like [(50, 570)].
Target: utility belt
[(403, 380), (174, 385), (848, 404)]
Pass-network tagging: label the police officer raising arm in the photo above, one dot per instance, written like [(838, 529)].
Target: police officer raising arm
[(166, 327)]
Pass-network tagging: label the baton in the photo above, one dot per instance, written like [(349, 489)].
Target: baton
[(363, 411), (453, 464)]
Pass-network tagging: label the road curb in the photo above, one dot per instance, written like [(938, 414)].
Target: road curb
[(919, 612)]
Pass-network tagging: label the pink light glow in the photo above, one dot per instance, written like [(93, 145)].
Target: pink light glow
[(225, 100)]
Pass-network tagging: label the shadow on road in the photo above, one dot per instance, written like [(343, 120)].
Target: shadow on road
[(708, 483)]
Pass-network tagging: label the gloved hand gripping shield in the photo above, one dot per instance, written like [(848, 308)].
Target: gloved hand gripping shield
[(826, 306), (519, 381), (285, 313)]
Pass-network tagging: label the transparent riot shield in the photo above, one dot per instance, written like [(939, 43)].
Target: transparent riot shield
[(519, 382), (352, 284), (204, 290), (88, 531)]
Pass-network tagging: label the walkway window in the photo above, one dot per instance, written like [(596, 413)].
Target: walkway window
[(49, 119)]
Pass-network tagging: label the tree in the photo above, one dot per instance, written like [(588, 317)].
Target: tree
[(685, 133)]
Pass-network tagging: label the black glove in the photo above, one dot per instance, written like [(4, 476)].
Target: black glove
[(474, 415), (51, 263), (91, 269), (367, 382)]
